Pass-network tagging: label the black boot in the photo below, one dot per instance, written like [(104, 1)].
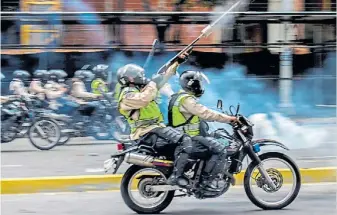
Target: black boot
[(177, 177), (209, 183), (214, 166)]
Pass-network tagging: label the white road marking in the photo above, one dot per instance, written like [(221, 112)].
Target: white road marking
[(317, 158), (95, 170), (14, 165)]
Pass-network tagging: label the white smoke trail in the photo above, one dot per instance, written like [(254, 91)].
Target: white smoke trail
[(229, 20), (288, 132)]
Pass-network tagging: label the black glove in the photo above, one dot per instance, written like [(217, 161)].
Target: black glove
[(182, 60)]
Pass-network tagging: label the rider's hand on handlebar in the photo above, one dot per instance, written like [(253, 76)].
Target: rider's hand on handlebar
[(234, 121)]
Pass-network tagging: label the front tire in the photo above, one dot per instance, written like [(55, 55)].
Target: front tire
[(252, 166), (129, 174), (36, 127)]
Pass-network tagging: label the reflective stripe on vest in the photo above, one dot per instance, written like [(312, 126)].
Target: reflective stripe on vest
[(189, 126), (149, 115)]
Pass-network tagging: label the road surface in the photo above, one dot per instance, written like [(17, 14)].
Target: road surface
[(82, 157), (313, 200)]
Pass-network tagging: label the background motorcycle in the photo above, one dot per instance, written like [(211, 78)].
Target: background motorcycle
[(94, 120), (19, 116), (150, 170)]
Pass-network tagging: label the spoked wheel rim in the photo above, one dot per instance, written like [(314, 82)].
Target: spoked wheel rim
[(280, 181), (50, 130), (143, 188)]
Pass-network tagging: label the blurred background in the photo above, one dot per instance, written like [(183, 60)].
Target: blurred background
[(272, 54)]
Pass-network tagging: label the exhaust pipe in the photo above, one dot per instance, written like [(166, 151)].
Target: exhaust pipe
[(139, 159)]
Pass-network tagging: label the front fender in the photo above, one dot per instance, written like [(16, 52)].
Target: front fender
[(269, 142)]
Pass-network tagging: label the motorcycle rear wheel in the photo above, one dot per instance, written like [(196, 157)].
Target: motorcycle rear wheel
[(9, 137), (11, 133), (280, 204), (125, 191)]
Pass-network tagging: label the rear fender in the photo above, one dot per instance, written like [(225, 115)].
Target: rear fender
[(118, 154), (269, 142)]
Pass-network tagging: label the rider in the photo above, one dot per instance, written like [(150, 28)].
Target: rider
[(78, 89), (36, 85), (17, 85), (185, 115), (55, 91), (101, 76), (137, 103)]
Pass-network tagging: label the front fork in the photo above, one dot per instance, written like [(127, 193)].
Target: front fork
[(255, 158)]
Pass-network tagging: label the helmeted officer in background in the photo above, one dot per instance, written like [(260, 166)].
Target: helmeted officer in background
[(37, 84), (100, 81), (55, 88), (78, 89), (4, 99), (186, 115), (137, 103), (17, 85)]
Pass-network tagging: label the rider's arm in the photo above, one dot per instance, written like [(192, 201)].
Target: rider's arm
[(166, 90), (53, 94), (79, 91), (19, 89), (171, 71), (190, 105), (162, 79), (137, 100)]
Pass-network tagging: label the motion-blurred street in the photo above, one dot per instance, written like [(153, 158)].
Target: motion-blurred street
[(313, 199)]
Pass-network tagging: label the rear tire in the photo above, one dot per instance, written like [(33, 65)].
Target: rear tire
[(248, 174), (128, 201), (11, 134)]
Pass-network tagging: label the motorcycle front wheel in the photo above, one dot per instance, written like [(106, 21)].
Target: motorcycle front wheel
[(44, 129), (282, 178), (153, 202)]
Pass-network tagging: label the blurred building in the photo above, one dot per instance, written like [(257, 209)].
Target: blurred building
[(107, 34)]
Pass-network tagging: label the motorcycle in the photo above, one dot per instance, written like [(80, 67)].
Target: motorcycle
[(96, 120), (19, 117), (150, 170)]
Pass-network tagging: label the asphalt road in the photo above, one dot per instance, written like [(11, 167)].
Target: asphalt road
[(83, 157), (313, 200)]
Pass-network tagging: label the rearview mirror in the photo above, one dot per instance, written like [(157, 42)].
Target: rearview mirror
[(238, 109), (219, 104)]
